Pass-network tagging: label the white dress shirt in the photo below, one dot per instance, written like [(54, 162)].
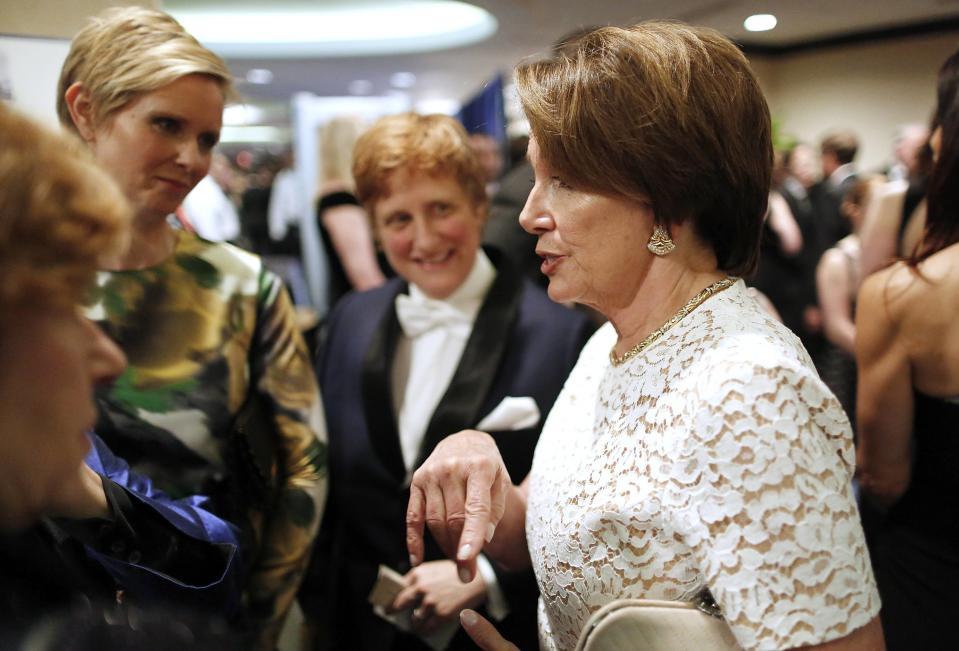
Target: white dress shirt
[(287, 206), (423, 368), (424, 364)]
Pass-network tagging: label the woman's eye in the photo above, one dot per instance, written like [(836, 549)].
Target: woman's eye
[(561, 183), (396, 221), (442, 208), (209, 141), (166, 125)]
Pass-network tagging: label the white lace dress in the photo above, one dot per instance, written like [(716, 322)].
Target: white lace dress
[(717, 458)]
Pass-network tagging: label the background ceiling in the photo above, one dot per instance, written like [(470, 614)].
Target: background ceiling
[(528, 27)]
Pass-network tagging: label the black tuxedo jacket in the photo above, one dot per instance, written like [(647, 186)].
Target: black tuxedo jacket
[(522, 344), (831, 224)]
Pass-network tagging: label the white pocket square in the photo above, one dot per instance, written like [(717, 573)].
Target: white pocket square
[(511, 414)]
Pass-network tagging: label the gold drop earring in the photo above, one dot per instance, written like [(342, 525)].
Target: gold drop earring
[(659, 242)]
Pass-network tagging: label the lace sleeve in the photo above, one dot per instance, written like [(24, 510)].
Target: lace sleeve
[(771, 519)]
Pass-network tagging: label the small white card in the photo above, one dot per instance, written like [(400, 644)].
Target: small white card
[(389, 584)]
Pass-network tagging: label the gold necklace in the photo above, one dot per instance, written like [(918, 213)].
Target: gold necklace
[(693, 303)]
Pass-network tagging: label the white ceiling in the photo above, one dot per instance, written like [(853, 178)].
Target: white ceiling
[(528, 27)]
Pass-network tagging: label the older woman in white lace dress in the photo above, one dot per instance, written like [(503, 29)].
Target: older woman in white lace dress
[(693, 447)]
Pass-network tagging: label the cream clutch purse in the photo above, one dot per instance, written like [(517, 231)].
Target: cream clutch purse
[(651, 625)]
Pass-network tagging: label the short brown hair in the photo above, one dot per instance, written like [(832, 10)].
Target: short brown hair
[(126, 51), (662, 113), (59, 213), (432, 144), (842, 144)]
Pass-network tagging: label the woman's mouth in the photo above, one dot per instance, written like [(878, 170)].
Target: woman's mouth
[(173, 185), (435, 261), (550, 263)]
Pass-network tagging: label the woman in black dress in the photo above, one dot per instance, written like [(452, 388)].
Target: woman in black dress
[(907, 348)]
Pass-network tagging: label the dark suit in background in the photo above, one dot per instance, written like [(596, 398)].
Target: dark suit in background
[(502, 227), (830, 224), (522, 344)]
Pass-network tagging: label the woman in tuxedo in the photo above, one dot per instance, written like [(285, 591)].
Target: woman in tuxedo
[(458, 339)]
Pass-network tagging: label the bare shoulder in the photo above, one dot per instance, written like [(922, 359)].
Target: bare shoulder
[(832, 265), (888, 294), (930, 292), (891, 197), (942, 268), (918, 302), (832, 257)]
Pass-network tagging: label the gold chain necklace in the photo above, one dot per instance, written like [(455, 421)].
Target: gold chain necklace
[(693, 303)]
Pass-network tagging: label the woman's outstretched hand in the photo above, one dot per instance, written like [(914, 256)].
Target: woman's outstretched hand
[(483, 633), (460, 494)]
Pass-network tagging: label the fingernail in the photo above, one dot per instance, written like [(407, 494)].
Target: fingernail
[(464, 552), (414, 561), (464, 575), (490, 530), (468, 617)]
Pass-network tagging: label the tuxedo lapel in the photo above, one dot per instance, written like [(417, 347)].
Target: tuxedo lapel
[(459, 408), (377, 390)]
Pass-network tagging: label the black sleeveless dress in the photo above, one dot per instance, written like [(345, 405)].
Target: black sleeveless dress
[(915, 545)]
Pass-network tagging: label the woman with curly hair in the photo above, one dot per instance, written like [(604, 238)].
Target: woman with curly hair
[(78, 530)]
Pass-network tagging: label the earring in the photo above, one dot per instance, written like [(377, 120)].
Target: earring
[(659, 242)]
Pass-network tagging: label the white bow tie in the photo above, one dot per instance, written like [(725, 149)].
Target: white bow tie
[(419, 315)]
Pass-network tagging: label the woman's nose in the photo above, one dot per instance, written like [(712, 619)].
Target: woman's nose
[(424, 234), (195, 161), (534, 218), (107, 361)]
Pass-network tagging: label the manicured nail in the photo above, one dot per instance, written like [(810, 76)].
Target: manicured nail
[(414, 561), (464, 552), (490, 530), (468, 617), (464, 575)]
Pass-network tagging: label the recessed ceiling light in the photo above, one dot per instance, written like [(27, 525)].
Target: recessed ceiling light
[(343, 29), (760, 22), (402, 80), (259, 76), (360, 87)]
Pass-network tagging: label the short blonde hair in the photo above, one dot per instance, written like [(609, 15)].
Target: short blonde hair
[(59, 213), (436, 145), (337, 139), (664, 113), (126, 51)]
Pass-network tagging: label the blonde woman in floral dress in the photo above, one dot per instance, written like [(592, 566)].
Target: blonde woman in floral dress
[(219, 396)]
